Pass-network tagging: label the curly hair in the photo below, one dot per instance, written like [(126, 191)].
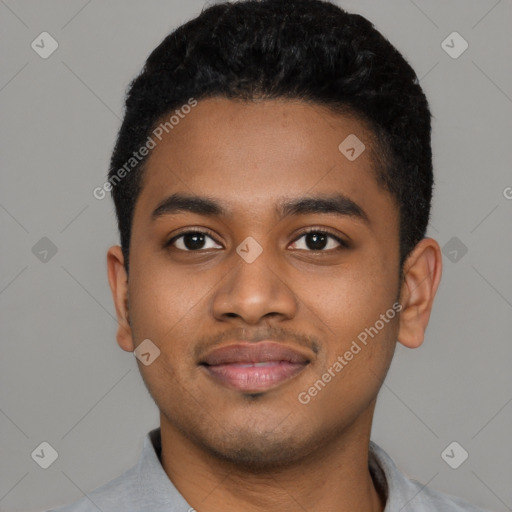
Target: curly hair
[(310, 50)]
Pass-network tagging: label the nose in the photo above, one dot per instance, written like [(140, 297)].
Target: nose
[(255, 291)]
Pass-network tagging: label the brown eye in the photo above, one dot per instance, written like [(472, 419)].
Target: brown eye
[(318, 240), (192, 241)]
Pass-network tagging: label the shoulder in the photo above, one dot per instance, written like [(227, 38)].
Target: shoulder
[(427, 499), (144, 487), (117, 494), (408, 495)]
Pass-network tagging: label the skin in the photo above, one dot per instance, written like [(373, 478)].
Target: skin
[(229, 450)]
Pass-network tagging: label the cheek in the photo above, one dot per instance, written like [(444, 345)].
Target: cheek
[(170, 311), (353, 298), (359, 347), (163, 301), (351, 306)]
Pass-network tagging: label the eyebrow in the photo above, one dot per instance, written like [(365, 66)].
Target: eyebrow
[(337, 204)]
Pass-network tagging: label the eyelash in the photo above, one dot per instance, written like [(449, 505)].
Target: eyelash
[(343, 243)]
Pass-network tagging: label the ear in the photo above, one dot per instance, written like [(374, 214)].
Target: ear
[(118, 281), (422, 274)]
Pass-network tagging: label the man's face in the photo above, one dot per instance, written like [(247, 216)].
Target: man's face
[(307, 292)]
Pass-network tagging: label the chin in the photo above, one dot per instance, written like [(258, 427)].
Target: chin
[(258, 451)]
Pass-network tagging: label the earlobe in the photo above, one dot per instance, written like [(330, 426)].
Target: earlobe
[(422, 274), (118, 281)]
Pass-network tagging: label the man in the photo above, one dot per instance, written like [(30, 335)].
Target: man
[(272, 181)]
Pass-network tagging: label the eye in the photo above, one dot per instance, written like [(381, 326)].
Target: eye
[(192, 241), (318, 240), (315, 240)]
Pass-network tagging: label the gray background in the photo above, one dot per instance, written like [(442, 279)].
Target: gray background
[(64, 379)]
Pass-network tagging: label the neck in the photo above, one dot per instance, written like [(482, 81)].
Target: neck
[(335, 478)]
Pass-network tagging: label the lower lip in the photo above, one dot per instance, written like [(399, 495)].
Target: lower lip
[(254, 378)]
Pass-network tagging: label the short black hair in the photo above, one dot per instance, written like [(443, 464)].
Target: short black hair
[(309, 50)]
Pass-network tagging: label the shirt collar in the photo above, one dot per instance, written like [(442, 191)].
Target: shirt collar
[(161, 495), (156, 489), (397, 489)]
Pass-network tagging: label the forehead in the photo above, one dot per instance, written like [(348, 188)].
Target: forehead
[(251, 154)]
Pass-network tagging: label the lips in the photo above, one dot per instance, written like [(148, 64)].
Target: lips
[(261, 352), (254, 366)]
